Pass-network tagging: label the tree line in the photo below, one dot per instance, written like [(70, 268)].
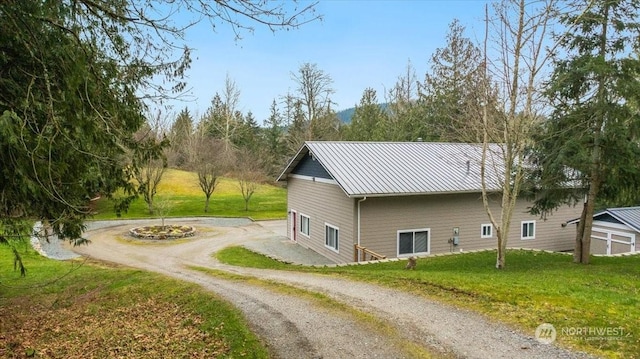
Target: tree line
[(555, 84)]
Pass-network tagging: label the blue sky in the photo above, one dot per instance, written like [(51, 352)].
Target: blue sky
[(359, 44)]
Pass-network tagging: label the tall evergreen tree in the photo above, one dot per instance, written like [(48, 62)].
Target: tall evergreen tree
[(452, 92), (404, 120), (367, 119), (180, 135), (298, 129), (593, 134), (67, 117), (274, 140), (73, 78), (249, 134)]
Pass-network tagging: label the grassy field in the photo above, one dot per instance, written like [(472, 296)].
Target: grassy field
[(84, 310), (186, 199), (536, 288)]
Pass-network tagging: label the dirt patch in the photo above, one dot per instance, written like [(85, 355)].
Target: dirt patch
[(90, 326)]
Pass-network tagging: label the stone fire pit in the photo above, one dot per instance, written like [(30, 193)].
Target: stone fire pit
[(162, 232)]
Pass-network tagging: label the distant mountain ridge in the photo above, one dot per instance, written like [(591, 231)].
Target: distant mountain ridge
[(345, 116)]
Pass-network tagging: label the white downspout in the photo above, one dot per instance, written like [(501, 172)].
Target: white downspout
[(360, 201)]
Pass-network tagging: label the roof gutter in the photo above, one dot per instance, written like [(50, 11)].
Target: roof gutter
[(360, 201), (397, 194)]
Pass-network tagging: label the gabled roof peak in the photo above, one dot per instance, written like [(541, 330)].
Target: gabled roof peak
[(402, 168)]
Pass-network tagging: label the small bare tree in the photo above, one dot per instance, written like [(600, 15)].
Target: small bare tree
[(207, 180), (148, 178), (248, 185), (210, 162), (249, 176), (149, 160), (163, 208)]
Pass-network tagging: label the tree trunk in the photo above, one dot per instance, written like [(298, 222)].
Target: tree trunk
[(500, 257), (206, 204), (577, 250), (589, 209)]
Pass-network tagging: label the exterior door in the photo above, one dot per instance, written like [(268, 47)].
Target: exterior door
[(606, 241), (294, 226)]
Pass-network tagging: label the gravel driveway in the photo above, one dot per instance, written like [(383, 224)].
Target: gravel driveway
[(294, 327)]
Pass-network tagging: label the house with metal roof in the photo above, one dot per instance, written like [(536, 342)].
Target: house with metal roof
[(614, 230), (353, 201)]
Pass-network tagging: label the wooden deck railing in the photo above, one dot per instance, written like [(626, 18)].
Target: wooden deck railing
[(362, 252)]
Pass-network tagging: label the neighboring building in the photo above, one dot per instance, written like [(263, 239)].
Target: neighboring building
[(403, 199), (614, 230)]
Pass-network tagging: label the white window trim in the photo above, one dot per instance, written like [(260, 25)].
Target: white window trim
[(337, 237), (428, 230), (482, 226), (522, 235), (300, 215)]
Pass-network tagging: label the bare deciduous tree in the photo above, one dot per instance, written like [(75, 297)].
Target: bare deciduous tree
[(314, 90), (521, 30), (163, 207), (249, 175), (223, 118), (149, 160), (210, 162), (311, 108)]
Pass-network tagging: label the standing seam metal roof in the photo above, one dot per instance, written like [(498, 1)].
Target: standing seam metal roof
[(627, 215), (402, 168)]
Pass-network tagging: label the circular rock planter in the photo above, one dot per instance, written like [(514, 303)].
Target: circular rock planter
[(162, 232)]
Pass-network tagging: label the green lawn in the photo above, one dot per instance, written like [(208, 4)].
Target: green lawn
[(186, 199), (536, 288), (78, 310)]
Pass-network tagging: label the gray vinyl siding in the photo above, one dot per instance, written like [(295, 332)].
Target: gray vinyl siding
[(323, 203), (382, 217)]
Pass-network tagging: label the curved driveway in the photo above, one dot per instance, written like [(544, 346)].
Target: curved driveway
[(293, 327)]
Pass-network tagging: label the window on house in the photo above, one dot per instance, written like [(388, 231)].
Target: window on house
[(331, 237), (413, 241), (304, 225), (528, 230), (486, 231)]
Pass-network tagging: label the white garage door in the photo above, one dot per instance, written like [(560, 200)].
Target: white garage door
[(607, 240)]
